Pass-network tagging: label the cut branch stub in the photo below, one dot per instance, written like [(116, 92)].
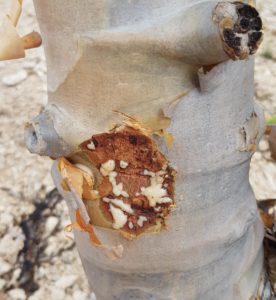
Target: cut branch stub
[(12, 46), (31, 40), (240, 28)]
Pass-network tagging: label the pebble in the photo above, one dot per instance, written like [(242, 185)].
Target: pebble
[(2, 284), (4, 267), (38, 295), (48, 293), (66, 281), (92, 297), (51, 225), (79, 295), (41, 272), (263, 145), (267, 156), (6, 218), (57, 294), (15, 275), (29, 64), (13, 241), (6, 221), (17, 294), (40, 69), (257, 156), (55, 244), (14, 79)]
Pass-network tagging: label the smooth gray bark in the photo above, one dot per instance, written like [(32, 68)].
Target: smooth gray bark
[(139, 57)]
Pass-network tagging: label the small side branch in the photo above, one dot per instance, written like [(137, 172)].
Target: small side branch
[(206, 33), (12, 46), (31, 40)]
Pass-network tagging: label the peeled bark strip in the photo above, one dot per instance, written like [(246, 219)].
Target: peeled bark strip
[(165, 64)]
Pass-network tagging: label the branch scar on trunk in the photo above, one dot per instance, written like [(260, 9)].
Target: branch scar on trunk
[(132, 185)]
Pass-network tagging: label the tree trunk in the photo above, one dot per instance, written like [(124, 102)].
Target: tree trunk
[(162, 62)]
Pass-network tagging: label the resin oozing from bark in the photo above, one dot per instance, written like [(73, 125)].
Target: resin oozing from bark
[(134, 185)]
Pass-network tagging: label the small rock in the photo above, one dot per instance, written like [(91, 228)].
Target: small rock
[(263, 145), (66, 281), (4, 267), (92, 297), (13, 241), (57, 294), (6, 221), (15, 275), (2, 284), (67, 257), (40, 69), (79, 295), (29, 64), (7, 218), (267, 156), (51, 250), (14, 79), (51, 225), (41, 272), (39, 294), (17, 294), (257, 156)]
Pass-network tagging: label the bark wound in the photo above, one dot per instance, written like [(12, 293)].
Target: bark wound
[(240, 27), (134, 183), (249, 133)]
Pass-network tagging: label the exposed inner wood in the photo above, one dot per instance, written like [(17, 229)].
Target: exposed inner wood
[(141, 161)]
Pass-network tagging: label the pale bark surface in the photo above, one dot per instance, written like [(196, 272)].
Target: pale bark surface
[(211, 125), (209, 218), (150, 59)]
